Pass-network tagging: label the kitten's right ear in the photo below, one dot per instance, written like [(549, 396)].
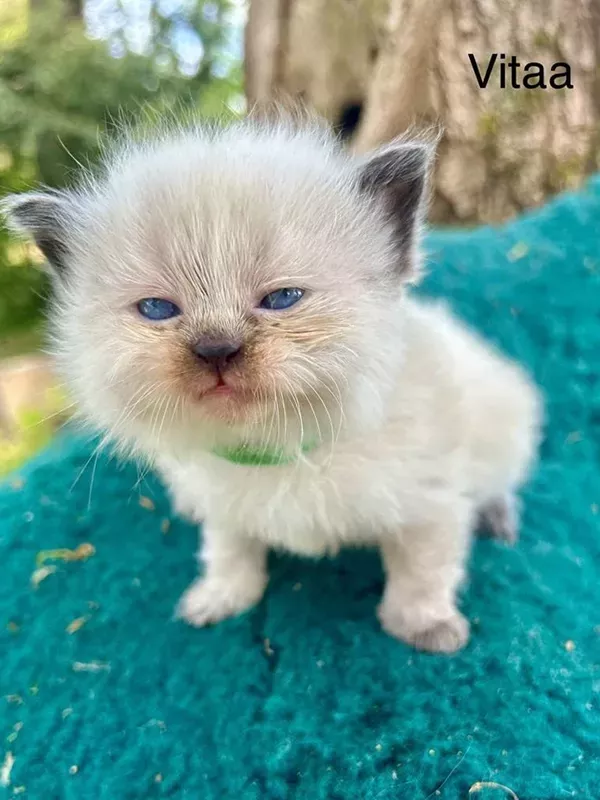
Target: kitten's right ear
[(47, 218)]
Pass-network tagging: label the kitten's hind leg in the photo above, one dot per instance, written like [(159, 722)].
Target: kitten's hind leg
[(499, 518), (424, 567)]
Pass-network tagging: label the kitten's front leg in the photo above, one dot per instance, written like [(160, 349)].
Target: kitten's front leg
[(235, 577), (424, 567)]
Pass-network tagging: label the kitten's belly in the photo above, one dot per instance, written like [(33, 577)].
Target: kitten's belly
[(304, 509)]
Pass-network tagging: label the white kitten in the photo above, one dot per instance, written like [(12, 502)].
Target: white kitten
[(276, 331)]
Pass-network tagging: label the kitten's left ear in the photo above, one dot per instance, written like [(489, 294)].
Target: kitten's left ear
[(398, 176), (45, 216)]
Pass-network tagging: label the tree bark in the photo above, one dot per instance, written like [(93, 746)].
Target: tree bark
[(399, 91), (316, 51), (376, 67), (264, 42)]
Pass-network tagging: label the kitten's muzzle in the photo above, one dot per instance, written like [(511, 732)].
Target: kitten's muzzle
[(220, 354)]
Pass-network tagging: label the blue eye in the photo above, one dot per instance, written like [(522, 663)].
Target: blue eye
[(156, 309), (281, 299)]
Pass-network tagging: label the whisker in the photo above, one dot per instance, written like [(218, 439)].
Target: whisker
[(97, 449), (58, 413), (89, 505)]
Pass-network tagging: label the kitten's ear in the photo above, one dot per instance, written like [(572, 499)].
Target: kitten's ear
[(47, 218), (398, 176)]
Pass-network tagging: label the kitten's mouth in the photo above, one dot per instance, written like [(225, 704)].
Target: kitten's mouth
[(220, 390), (223, 389)]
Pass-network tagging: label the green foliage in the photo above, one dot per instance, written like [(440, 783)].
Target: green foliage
[(34, 430), (60, 91)]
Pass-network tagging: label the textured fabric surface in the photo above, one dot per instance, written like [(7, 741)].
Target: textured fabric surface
[(305, 697)]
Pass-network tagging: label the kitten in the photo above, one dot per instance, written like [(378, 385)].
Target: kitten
[(232, 305)]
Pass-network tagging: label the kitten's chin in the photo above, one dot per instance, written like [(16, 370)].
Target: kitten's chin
[(224, 402)]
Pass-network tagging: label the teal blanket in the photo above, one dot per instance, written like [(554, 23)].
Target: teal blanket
[(104, 696)]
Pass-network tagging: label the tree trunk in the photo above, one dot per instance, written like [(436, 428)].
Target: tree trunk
[(317, 51), (376, 67), (399, 90)]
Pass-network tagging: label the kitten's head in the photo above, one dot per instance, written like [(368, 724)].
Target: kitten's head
[(218, 285)]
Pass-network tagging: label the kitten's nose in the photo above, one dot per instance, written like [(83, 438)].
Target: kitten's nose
[(218, 353)]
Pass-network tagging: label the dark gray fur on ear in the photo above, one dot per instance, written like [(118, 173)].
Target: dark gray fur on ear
[(398, 175), (45, 216)]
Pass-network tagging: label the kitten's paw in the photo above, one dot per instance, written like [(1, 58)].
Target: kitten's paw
[(210, 600), (442, 636), (499, 519), (448, 636)]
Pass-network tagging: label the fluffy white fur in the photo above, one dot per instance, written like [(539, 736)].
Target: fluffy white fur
[(421, 428)]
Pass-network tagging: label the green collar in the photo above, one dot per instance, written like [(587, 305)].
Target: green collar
[(250, 457)]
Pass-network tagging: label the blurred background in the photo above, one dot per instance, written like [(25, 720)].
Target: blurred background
[(70, 70)]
